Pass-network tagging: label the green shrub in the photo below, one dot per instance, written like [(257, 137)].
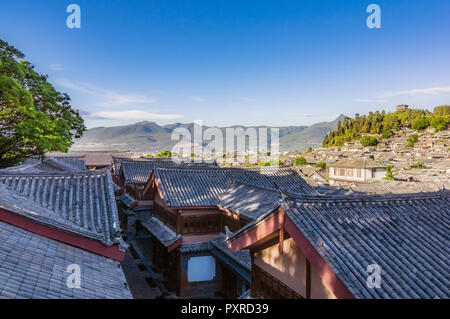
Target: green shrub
[(387, 133), (165, 153), (321, 165), (412, 140), (270, 163), (389, 173), (368, 141), (439, 123), (419, 165), (300, 161), (420, 124)]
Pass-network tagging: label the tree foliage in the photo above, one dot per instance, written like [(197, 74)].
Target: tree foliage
[(382, 123), (419, 165), (34, 117), (390, 173), (412, 140), (322, 165), (368, 141), (166, 153), (300, 161)]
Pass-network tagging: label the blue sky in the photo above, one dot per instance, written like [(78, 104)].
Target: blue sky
[(229, 62)]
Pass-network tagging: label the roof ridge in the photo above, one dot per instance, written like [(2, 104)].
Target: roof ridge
[(47, 216), (98, 172), (367, 197)]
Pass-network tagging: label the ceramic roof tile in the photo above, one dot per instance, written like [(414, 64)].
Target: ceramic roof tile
[(85, 199), (249, 201), (204, 187), (32, 266), (407, 236), (164, 234)]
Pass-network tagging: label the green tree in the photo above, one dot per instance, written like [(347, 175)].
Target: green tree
[(390, 173), (300, 161), (439, 123), (34, 117), (368, 141), (420, 124), (321, 165), (165, 153), (387, 133)]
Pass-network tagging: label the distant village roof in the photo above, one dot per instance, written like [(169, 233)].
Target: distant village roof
[(357, 163), (94, 158), (32, 266), (399, 187), (183, 187), (249, 201), (83, 199), (48, 164), (405, 235)]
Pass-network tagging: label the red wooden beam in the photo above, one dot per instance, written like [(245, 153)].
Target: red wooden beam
[(72, 239)]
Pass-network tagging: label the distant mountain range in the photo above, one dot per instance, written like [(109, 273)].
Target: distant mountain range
[(149, 136)]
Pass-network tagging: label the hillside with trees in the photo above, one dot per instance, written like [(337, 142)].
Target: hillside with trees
[(385, 124)]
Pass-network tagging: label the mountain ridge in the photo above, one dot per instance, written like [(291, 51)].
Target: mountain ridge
[(148, 136)]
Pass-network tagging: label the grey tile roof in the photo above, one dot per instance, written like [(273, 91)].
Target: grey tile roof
[(164, 234), (95, 158), (32, 266), (14, 202), (69, 163), (242, 256), (139, 171), (48, 164), (195, 247), (249, 201), (127, 200), (358, 163), (406, 235), (85, 199), (204, 187)]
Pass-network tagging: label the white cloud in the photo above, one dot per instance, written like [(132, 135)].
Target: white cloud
[(106, 97), (197, 99), (132, 115), (427, 91), (435, 90), (56, 67)]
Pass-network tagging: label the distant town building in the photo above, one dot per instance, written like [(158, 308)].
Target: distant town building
[(401, 107), (351, 171)]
